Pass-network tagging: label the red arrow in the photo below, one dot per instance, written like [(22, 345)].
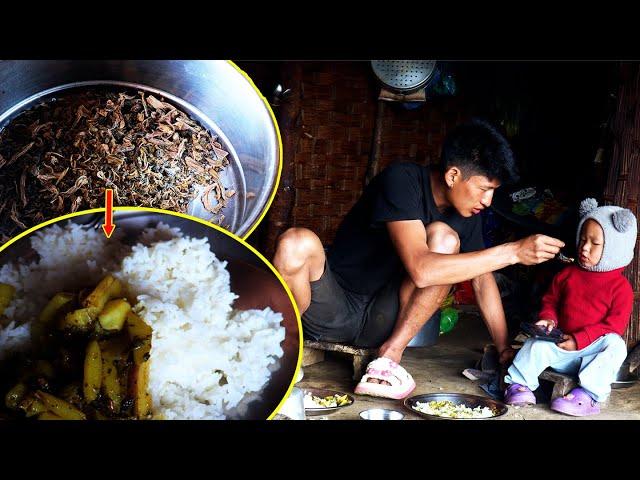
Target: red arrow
[(108, 226)]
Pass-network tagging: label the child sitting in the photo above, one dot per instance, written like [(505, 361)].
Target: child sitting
[(591, 304)]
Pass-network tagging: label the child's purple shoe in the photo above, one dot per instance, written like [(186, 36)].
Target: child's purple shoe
[(577, 403), (517, 394)]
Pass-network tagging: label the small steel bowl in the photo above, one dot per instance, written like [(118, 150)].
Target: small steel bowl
[(381, 414)]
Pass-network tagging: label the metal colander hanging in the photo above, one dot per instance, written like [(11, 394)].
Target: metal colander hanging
[(404, 76)]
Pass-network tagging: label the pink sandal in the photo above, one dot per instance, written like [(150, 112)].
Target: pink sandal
[(400, 382)]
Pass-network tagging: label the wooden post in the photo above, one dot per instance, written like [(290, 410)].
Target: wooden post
[(374, 158), (280, 215)]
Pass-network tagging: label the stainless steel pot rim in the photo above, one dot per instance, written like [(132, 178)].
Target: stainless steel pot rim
[(186, 106), (219, 88)]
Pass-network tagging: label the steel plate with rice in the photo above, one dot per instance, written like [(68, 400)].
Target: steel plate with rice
[(169, 319), (454, 406), (320, 401)]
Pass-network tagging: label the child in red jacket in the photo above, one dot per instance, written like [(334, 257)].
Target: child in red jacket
[(591, 304)]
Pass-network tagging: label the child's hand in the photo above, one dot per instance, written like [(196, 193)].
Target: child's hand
[(549, 324), (569, 343)]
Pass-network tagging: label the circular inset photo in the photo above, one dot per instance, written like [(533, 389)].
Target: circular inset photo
[(168, 318), (190, 136)]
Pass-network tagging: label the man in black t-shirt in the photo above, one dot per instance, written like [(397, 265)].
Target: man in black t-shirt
[(413, 233)]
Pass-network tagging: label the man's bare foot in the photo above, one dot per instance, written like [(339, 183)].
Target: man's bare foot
[(392, 380), (387, 353), (375, 380), (391, 353)]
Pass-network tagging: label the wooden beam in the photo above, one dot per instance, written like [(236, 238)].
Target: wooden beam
[(289, 115), (376, 147)]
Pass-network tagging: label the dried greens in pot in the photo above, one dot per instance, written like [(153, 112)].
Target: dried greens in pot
[(60, 156)]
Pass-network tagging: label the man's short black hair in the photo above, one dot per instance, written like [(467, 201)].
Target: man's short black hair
[(477, 148)]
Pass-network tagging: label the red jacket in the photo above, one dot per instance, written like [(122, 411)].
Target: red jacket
[(588, 304)]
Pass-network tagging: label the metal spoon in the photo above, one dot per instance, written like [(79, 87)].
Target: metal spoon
[(564, 259)]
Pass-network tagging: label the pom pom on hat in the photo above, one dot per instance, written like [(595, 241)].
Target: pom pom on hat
[(622, 219), (587, 205)]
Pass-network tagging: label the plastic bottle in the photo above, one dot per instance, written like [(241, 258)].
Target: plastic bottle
[(448, 319)]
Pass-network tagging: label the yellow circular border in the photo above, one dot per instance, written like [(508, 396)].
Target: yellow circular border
[(280, 156), (207, 224)]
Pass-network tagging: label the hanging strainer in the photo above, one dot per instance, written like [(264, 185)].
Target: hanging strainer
[(404, 76)]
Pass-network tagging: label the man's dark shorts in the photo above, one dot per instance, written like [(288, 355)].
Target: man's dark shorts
[(339, 315)]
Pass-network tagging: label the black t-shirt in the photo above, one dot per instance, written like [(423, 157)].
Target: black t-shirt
[(362, 255)]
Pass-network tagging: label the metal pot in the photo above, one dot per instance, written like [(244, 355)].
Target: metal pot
[(214, 92), (428, 334), (625, 378)]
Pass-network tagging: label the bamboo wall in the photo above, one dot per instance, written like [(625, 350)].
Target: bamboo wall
[(333, 140), (623, 179)]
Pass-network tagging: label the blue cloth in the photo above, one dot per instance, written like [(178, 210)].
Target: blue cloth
[(493, 388), (596, 365)]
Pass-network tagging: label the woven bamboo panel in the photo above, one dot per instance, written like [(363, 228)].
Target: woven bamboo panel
[(338, 118), (338, 107), (623, 181)]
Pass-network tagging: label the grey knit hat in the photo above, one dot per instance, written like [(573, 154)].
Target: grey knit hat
[(620, 230)]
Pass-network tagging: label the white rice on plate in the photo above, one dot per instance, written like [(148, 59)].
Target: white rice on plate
[(205, 358), (448, 409)]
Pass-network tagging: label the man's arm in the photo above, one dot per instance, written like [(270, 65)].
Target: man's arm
[(428, 268), (490, 303)]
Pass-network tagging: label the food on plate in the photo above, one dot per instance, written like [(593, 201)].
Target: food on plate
[(98, 328), (330, 401), (449, 409)]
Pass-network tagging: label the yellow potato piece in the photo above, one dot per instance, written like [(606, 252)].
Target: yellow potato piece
[(141, 353), (15, 395), (32, 405), (49, 416), (114, 314), (6, 296), (92, 372), (137, 328), (59, 407), (58, 301), (108, 288), (110, 382), (79, 320), (139, 389)]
